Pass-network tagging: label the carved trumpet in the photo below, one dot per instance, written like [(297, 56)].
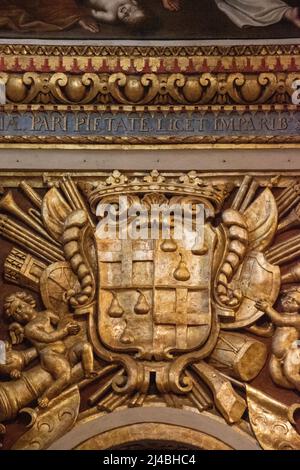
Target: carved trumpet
[(8, 204), (287, 200), (284, 252), (242, 192), (25, 238), (290, 203), (292, 275), (291, 220), (249, 196), (284, 195), (73, 196), (31, 194)]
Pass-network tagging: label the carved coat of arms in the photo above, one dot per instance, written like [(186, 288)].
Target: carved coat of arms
[(179, 319)]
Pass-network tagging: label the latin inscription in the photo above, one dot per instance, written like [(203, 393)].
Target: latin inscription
[(122, 124)]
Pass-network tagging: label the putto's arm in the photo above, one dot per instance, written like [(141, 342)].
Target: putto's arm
[(280, 319), (35, 333)]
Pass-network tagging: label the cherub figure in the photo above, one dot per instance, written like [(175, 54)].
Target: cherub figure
[(285, 360), (42, 330)]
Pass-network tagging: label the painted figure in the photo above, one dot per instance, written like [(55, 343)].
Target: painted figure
[(128, 12), (258, 13), (245, 13), (40, 15)]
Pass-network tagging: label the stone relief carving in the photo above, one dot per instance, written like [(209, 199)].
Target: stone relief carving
[(150, 320)]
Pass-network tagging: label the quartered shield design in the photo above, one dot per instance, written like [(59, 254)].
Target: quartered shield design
[(154, 295)]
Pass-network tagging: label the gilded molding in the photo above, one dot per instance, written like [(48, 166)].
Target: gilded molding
[(150, 51), (155, 79), (150, 88), (158, 142)]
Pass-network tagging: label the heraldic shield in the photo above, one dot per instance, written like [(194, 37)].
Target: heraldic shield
[(148, 319), (154, 295)]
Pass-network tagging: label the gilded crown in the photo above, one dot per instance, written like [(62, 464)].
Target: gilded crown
[(183, 184)]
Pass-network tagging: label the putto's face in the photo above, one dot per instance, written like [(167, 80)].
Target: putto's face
[(290, 303), (128, 11), (22, 311)]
